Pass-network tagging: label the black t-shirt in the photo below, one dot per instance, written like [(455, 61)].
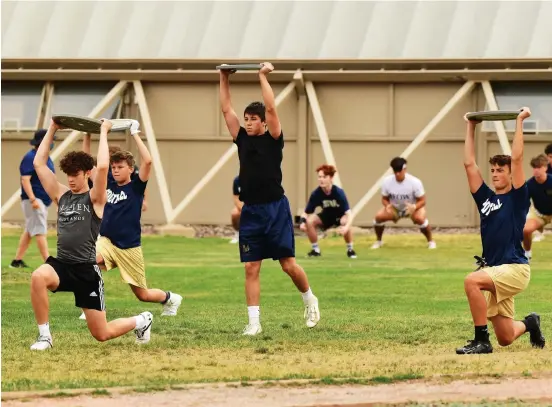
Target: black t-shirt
[(260, 167)]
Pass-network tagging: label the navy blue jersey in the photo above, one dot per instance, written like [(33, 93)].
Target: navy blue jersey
[(27, 168), (541, 194), (260, 167), (122, 213), (334, 203), (502, 221), (236, 186)]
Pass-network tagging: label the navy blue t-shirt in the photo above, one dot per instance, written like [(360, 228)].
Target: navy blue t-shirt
[(335, 203), (236, 186), (27, 168), (122, 213), (549, 169), (502, 221), (541, 194)]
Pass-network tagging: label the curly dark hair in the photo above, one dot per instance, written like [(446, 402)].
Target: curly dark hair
[(501, 160), (76, 161), (256, 109)]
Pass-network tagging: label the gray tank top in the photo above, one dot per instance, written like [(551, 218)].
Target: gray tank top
[(77, 229)]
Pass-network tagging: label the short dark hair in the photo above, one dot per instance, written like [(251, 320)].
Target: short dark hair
[(539, 161), (501, 160), (76, 161), (257, 109), (398, 164), (327, 169), (122, 155), (548, 149)]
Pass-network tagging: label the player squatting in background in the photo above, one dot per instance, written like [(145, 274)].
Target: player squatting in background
[(540, 192), (403, 196), (335, 211)]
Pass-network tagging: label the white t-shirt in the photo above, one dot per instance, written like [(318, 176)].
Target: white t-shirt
[(402, 193)]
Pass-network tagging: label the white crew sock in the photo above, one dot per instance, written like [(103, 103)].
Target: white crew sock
[(315, 247), (254, 313), (44, 330), (350, 246), (307, 296)]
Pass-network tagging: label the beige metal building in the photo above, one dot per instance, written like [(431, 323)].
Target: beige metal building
[(357, 83)]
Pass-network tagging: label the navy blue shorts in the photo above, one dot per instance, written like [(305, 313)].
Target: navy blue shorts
[(266, 231)]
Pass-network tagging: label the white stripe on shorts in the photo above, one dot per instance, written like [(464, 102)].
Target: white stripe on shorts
[(100, 287)]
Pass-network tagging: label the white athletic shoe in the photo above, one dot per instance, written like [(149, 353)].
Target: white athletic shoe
[(143, 334), (538, 236), (42, 343), (312, 313), (252, 329), (377, 244), (83, 316), (432, 245), (235, 239), (171, 307)]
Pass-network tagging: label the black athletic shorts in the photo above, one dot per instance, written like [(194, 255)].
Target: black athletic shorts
[(329, 220), (83, 280)]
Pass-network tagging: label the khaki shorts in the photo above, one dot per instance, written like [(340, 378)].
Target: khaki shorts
[(509, 280), (539, 217), (130, 262)]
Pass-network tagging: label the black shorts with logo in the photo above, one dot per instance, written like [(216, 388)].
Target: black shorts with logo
[(83, 280)]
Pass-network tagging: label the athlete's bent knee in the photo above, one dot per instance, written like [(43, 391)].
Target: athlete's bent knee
[(142, 295), (505, 340), (101, 336), (37, 278), (470, 282), (288, 265)]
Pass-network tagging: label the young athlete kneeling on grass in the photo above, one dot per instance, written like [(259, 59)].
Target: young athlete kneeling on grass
[(504, 270), (80, 212)]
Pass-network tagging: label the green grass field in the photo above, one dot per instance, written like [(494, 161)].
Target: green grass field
[(395, 313)]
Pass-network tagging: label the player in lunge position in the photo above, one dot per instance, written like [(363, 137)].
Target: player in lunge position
[(335, 211), (266, 224), (504, 270), (119, 244), (403, 196), (80, 212)]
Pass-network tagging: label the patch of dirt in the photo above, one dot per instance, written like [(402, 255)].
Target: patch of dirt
[(537, 390)]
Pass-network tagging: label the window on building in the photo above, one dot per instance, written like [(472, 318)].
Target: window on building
[(80, 98), (21, 103), (514, 95)]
